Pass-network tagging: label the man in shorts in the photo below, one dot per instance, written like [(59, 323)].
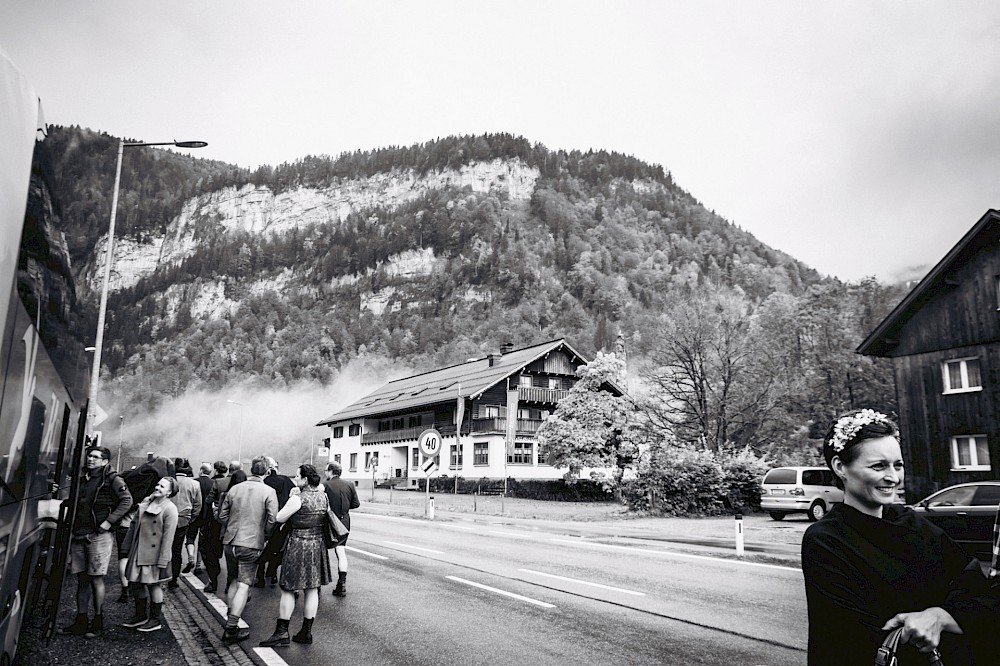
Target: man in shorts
[(248, 512), (343, 497), (104, 500)]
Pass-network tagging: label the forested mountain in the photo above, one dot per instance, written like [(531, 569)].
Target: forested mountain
[(424, 255)]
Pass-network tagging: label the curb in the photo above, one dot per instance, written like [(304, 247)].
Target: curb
[(198, 629)]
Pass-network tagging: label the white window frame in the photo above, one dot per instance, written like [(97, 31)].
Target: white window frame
[(970, 441), (964, 372)]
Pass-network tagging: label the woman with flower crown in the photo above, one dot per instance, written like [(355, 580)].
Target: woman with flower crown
[(872, 565)]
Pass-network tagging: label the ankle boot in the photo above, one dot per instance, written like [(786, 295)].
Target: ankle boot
[(280, 636), (153, 623), (139, 618), (305, 634), (341, 589), (78, 628), (96, 627), (124, 596)]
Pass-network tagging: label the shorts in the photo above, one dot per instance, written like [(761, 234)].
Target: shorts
[(246, 562), (91, 553)]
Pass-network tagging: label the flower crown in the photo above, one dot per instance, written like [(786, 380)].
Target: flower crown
[(847, 427)]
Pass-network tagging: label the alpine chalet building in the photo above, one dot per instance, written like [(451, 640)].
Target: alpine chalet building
[(376, 437)]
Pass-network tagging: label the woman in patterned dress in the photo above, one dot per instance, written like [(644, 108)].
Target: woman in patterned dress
[(306, 565)]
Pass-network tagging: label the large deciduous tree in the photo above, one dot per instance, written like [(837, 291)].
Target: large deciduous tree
[(717, 377), (592, 427)]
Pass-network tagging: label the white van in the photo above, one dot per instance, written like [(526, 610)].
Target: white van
[(808, 490)]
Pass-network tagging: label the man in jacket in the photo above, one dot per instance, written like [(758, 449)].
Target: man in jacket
[(211, 534), (343, 497), (198, 525), (248, 512), (188, 503), (273, 553), (103, 501)]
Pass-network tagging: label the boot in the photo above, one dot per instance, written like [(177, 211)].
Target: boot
[(153, 623), (341, 589), (234, 634), (139, 618), (78, 628), (96, 627), (305, 634), (125, 595), (280, 636)]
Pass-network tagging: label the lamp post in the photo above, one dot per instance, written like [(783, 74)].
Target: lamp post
[(102, 312), (239, 455)]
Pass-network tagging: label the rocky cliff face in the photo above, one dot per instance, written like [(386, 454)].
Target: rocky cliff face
[(259, 210)]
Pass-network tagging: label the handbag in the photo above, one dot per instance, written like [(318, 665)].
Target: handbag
[(333, 529), (886, 654)]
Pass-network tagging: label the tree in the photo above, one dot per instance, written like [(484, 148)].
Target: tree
[(592, 427), (717, 379)]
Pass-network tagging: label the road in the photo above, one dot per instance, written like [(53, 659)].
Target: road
[(423, 592)]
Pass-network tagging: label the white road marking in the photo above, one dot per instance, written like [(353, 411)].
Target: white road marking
[(270, 657), (584, 582), (406, 545), (457, 527), (669, 553), (365, 552), (519, 535), (503, 592)]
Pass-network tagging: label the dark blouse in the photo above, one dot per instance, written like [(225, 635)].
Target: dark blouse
[(860, 571)]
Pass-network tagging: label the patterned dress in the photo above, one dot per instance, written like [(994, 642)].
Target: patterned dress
[(307, 564)]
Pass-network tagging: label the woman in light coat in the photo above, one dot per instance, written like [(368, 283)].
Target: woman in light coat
[(151, 536)]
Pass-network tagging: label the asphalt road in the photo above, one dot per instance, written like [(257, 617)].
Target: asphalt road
[(446, 593)]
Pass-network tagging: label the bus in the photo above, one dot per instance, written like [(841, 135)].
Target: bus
[(43, 372)]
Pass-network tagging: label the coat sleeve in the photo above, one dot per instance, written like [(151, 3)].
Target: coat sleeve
[(223, 511), (841, 628), (355, 502), (196, 501), (120, 491), (270, 512), (169, 514), (970, 600)]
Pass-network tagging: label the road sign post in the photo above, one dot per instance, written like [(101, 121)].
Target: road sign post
[(429, 443)]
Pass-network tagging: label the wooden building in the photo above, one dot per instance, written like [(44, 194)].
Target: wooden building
[(376, 438), (944, 342)]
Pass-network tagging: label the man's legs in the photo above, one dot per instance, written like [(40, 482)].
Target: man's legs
[(175, 555), (212, 541), (341, 552), (245, 565)]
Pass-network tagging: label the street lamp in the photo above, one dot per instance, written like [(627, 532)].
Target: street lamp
[(239, 455), (102, 312)]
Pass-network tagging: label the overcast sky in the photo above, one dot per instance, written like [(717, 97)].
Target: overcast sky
[(860, 137)]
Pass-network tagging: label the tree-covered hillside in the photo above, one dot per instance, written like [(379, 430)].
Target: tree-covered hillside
[(606, 245)]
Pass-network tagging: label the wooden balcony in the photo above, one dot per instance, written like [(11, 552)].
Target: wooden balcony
[(543, 395), (498, 425), (403, 434)]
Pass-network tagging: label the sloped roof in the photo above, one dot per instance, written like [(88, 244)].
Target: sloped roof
[(469, 379), (885, 337)]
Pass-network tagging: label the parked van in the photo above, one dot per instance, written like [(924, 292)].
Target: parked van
[(808, 490)]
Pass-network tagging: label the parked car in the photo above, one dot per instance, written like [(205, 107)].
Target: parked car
[(808, 490), (967, 512)]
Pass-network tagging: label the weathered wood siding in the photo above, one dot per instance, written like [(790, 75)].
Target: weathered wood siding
[(961, 310), (929, 418)]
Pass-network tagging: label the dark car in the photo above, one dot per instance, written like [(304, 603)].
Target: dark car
[(967, 512)]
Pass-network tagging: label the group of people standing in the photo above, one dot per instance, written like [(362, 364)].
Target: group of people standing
[(264, 525)]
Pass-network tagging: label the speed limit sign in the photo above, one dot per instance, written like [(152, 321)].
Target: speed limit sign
[(430, 442)]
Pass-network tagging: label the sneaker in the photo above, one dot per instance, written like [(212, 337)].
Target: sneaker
[(210, 588), (199, 570), (135, 621), (152, 624), (188, 567), (173, 584)]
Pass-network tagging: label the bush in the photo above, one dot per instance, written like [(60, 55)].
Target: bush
[(557, 490), (687, 481)]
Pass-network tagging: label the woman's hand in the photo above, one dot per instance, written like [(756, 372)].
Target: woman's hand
[(923, 629)]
